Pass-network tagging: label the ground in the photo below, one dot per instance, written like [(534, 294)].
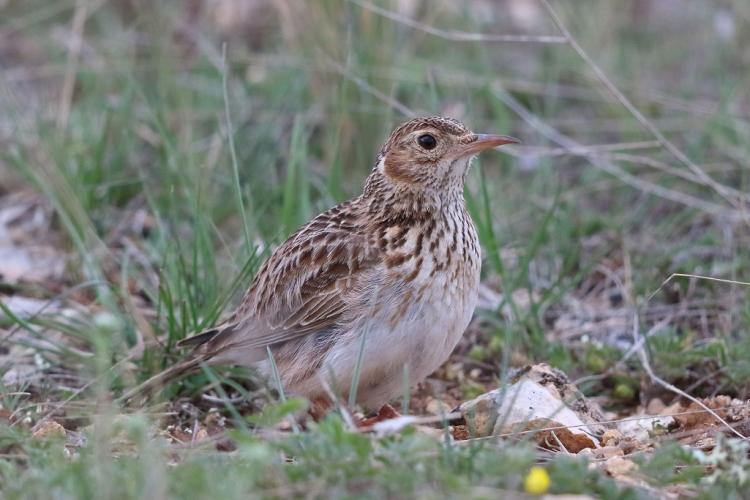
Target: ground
[(153, 154)]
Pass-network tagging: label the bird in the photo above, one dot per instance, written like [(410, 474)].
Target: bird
[(382, 285)]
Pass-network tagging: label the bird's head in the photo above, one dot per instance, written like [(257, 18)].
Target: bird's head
[(433, 153)]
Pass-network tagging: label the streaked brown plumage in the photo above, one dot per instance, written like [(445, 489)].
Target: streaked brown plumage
[(398, 265)]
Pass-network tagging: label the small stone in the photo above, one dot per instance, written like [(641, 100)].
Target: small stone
[(655, 407), (460, 433), (48, 428), (619, 466), (609, 452), (611, 437), (437, 407), (201, 435)]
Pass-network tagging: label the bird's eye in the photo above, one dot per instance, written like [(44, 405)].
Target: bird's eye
[(427, 141)]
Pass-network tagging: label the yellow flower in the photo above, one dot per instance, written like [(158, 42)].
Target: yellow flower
[(537, 481)]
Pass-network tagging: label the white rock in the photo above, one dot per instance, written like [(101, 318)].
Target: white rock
[(539, 400)]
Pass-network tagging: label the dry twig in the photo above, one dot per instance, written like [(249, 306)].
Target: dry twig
[(645, 122), (457, 36)]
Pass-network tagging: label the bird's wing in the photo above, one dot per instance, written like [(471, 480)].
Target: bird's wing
[(308, 285)]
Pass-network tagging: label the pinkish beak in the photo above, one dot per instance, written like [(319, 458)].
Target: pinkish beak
[(487, 141)]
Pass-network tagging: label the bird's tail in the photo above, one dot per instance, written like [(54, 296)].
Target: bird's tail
[(150, 387), (205, 346)]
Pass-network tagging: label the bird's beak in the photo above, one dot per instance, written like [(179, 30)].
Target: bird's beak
[(487, 141)]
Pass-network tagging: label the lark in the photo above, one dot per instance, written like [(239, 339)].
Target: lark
[(382, 285)]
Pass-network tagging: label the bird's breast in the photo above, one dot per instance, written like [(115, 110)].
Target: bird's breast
[(434, 274), (434, 268), (442, 251), (421, 301)]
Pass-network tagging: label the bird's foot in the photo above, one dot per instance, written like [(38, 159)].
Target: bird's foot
[(386, 412)]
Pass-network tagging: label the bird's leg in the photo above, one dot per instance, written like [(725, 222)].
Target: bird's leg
[(319, 408)]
